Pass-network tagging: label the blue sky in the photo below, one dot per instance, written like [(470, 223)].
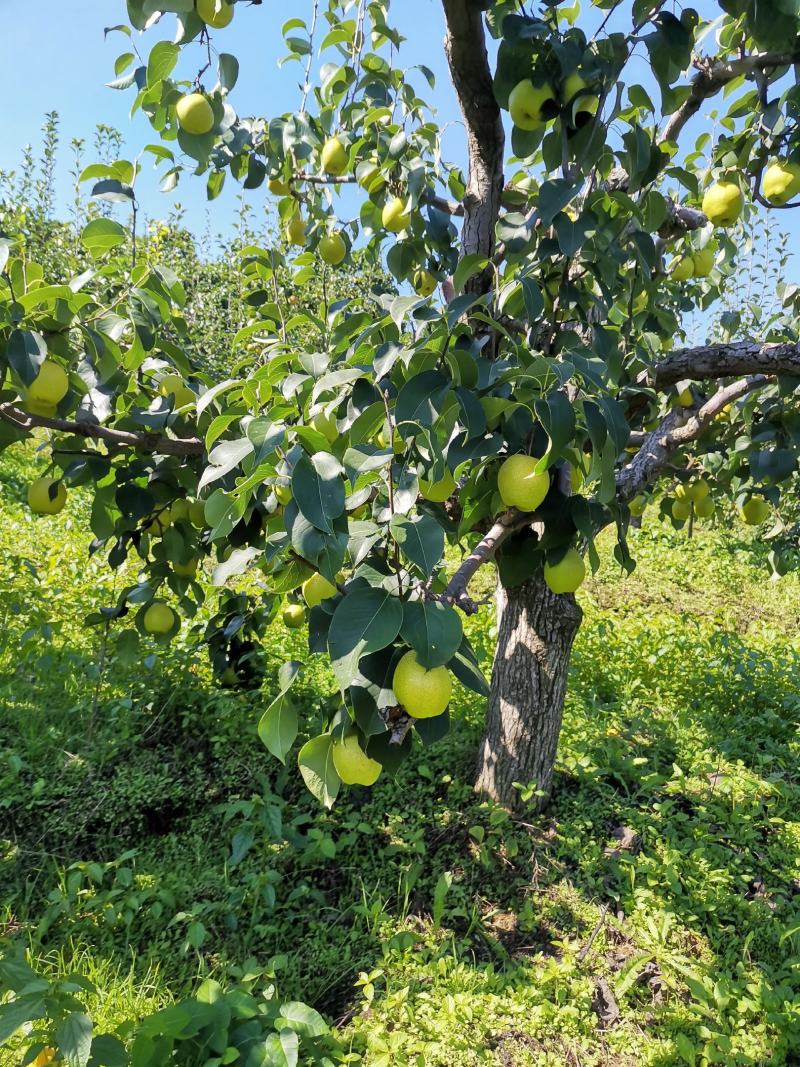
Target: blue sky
[(53, 55)]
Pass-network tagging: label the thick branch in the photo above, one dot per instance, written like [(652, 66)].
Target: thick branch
[(483, 552), (712, 77), (725, 361), (465, 47), (679, 427), (141, 441)]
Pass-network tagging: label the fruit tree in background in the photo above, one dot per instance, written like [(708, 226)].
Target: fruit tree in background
[(530, 391)]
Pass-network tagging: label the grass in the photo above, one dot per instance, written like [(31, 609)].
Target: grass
[(147, 840)]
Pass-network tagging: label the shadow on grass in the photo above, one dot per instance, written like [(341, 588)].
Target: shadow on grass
[(174, 837)]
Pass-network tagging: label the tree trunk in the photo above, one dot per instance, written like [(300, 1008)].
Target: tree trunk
[(536, 629)]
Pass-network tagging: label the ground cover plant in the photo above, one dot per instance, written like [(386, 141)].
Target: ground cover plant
[(148, 846)]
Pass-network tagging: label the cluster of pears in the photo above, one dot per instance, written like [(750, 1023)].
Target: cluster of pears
[(694, 494), (180, 510), (194, 110), (533, 103), (395, 217), (694, 264), (521, 486)]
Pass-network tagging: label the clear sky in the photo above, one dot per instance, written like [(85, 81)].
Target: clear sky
[(53, 56)]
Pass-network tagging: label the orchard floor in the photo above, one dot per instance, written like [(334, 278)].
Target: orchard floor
[(650, 916)]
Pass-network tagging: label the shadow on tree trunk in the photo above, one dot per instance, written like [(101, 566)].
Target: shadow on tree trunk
[(536, 630)]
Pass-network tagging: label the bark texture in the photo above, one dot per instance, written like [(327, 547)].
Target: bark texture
[(725, 361), (465, 47), (529, 682)]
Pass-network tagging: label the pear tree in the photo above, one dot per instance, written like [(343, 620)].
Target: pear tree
[(529, 387)]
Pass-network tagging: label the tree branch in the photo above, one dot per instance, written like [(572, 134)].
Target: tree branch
[(465, 47), (724, 361), (485, 550), (713, 76), (141, 441), (450, 207), (679, 427)]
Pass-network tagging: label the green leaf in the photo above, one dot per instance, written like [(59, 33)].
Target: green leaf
[(17, 1012), (421, 398), (467, 268), (304, 1020), (365, 620), (228, 71), (161, 61), (74, 1037), (421, 541), (26, 353), (439, 895), (318, 489), (558, 418), (465, 667), (278, 725), (433, 630), (102, 235), (315, 760)]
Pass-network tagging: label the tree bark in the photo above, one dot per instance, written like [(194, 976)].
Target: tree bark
[(536, 629)]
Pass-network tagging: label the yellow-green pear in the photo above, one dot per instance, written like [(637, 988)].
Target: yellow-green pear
[(50, 384), (531, 106), (681, 508), (197, 514), (424, 282), (583, 105), (174, 387), (438, 492), (704, 508), (370, 178), (704, 260), (723, 203), (682, 269), (567, 575), (754, 511), (332, 249), (43, 499), (637, 505), (519, 484), (188, 569), (296, 231), (333, 157), (352, 763), (394, 217), (781, 182), (279, 187), (215, 13), (316, 589), (293, 615), (326, 425), (423, 693), (159, 618), (195, 114)]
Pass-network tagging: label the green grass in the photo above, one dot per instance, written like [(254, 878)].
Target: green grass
[(148, 840)]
